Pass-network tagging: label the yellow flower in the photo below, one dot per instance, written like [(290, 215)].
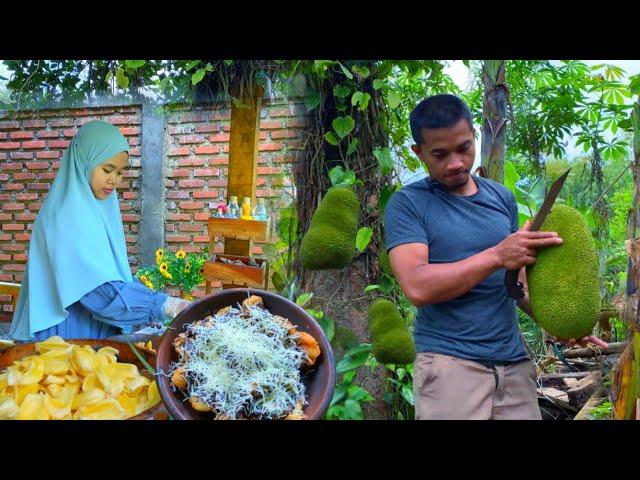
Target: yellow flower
[(187, 267), (150, 285), (159, 255), (180, 254), (188, 296), (143, 279), (164, 271)]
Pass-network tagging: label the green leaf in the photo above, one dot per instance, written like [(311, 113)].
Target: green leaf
[(121, 79), (345, 70), (347, 377), (341, 91), (133, 64), (312, 99), (378, 84), (401, 372), (303, 299), (358, 394), (354, 358), (198, 76), (363, 238), (332, 138), (328, 326), (336, 174), (339, 393), (352, 410), (385, 162), (354, 145), (209, 67), (361, 99), (361, 72), (511, 176), (394, 99), (270, 251), (343, 125), (407, 393), (634, 85), (191, 65), (228, 62), (370, 288), (108, 77), (385, 195)]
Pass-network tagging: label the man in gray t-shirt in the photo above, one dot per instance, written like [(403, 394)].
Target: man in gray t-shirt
[(450, 238)]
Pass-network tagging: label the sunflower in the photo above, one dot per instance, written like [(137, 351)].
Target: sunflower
[(164, 271), (143, 279), (159, 255), (187, 267), (180, 254)]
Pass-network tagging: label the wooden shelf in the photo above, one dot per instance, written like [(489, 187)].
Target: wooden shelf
[(239, 274), (239, 229)]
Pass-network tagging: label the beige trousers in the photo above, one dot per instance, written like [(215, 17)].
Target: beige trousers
[(449, 388)]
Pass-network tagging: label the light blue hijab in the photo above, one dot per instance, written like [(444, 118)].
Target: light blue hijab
[(77, 242)]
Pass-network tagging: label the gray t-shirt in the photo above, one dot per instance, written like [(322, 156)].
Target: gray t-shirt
[(481, 324)]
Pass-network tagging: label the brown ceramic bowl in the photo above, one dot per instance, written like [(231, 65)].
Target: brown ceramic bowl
[(126, 355), (319, 382)]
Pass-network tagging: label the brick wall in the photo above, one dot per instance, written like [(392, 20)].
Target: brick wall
[(196, 156)]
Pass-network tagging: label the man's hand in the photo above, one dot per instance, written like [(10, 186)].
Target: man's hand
[(518, 249), (583, 342)]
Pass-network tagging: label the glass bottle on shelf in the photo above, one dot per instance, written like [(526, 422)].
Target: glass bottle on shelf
[(246, 209), (233, 211), (260, 212)]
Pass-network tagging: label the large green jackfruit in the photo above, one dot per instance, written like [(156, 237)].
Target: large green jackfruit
[(563, 283), (330, 241), (391, 339)]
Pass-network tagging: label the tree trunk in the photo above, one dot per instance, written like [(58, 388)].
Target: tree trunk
[(494, 112), (626, 387)]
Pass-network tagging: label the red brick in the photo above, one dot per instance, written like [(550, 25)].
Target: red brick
[(130, 218), (13, 227), (268, 170), (59, 143), (220, 137), (38, 186), (169, 183), (48, 154), (226, 127), (21, 155), (179, 216), (20, 257), (16, 247), (4, 257), (207, 150), (37, 123), (260, 181), (47, 176), (9, 145), (201, 238), (10, 166), (34, 144), (271, 124), (24, 176), (69, 132), (26, 196), (206, 172), (269, 147), (129, 131), (188, 139), (9, 125), (191, 183), (129, 195), (174, 152), (48, 134), (26, 217), (220, 160), (201, 216), (297, 123), (3, 156), (62, 122), (4, 217), (221, 114), (5, 237), (218, 182), (15, 267), (267, 193), (178, 238), (191, 162), (180, 173), (191, 205), (5, 176), (21, 135), (134, 152), (177, 195), (13, 206), (6, 278), (185, 227), (118, 120), (13, 186), (205, 194), (207, 128), (37, 165), (4, 135), (283, 134), (35, 206)]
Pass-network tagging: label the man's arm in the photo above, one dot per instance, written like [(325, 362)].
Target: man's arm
[(523, 303), (424, 283)]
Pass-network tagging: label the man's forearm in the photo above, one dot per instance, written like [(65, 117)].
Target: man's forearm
[(439, 282)]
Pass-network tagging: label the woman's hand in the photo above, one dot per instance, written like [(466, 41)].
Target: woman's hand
[(173, 306)]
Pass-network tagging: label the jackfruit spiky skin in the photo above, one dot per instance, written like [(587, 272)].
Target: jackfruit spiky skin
[(330, 241), (391, 339), (563, 283)]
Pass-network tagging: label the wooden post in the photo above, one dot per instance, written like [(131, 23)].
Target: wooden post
[(243, 162)]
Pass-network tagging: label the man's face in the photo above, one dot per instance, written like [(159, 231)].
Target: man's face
[(449, 154)]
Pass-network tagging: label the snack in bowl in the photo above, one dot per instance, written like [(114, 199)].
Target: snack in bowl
[(244, 362)]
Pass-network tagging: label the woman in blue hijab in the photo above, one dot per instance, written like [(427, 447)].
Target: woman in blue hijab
[(78, 283)]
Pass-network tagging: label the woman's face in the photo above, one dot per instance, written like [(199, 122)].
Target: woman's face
[(106, 176)]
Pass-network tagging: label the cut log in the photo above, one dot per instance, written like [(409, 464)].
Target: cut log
[(613, 348), (580, 393), (570, 382), (556, 396)]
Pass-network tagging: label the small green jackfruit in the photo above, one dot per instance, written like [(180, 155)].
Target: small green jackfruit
[(563, 283), (330, 241), (391, 339)]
